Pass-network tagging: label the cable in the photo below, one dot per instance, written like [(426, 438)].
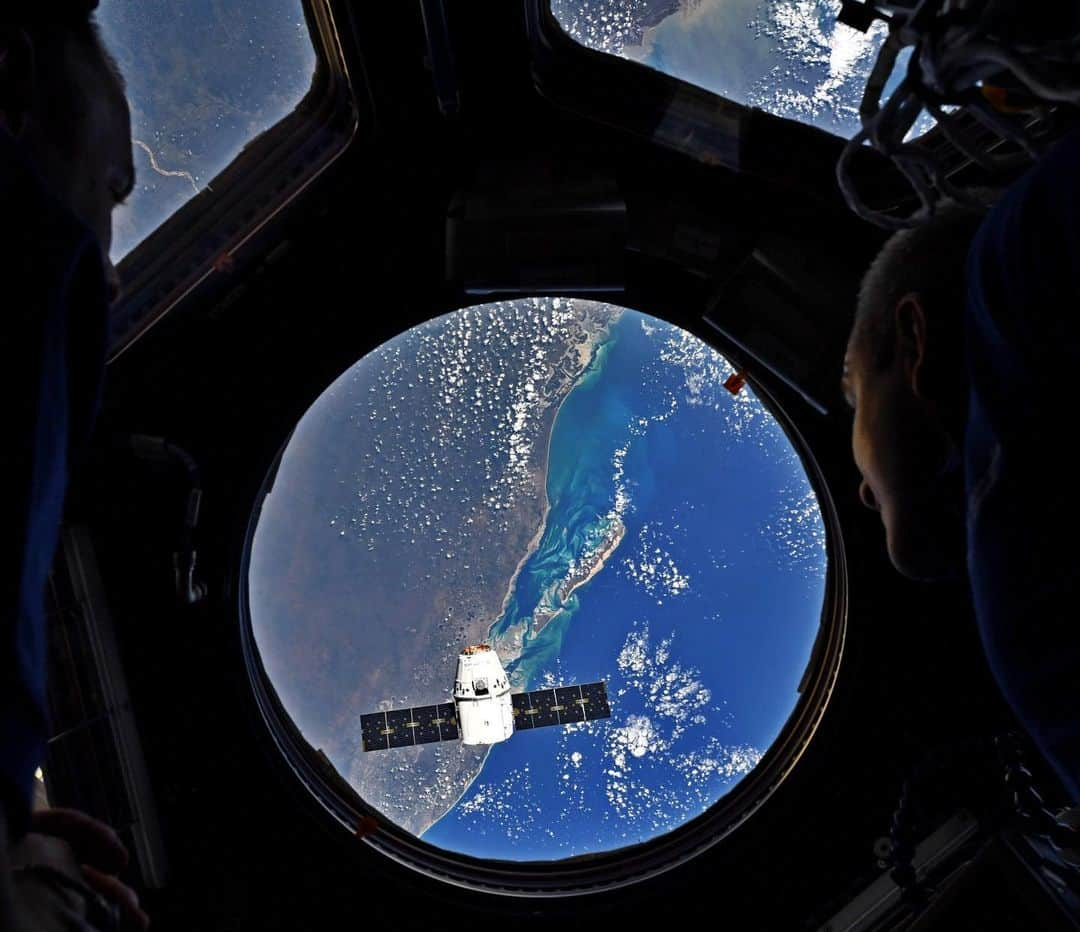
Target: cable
[(961, 56), (189, 588), (1011, 798), (899, 852)]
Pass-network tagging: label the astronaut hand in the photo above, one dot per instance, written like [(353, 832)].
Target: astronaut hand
[(65, 874)]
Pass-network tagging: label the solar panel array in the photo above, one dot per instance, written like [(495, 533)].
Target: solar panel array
[(561, 706), (402, 728)]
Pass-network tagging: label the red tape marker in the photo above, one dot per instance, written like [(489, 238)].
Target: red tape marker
[(734, 383)]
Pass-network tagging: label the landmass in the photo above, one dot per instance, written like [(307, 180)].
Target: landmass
[(612, 25), (409, 498), (593, 561), (579, 572), (439, 559)]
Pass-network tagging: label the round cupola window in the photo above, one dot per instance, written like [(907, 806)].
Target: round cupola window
[(554, 507)]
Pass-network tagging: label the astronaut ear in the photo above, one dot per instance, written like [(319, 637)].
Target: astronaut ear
[(911, 341), (17, 77)]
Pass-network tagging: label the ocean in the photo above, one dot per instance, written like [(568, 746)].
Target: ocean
[(701, 621)]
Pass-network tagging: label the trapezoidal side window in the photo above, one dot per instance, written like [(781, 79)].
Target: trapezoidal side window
[(789, 58), (202, 81), (233, 113)]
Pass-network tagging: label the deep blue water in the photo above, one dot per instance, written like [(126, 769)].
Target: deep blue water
[(701, 674)]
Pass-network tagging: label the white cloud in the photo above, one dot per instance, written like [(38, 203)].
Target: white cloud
[(796, 532), (653, 567), (663, 766)]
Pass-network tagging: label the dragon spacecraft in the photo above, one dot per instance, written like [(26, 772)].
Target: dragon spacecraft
[(484, 710)]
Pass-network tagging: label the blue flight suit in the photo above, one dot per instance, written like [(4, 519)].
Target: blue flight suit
[(53, 318), (1022, 334)]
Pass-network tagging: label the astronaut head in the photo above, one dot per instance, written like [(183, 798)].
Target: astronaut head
[(905, 379), (62, 100)]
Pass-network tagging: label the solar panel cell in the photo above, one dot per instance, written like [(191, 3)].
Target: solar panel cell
[(596, 703), (569, 705), (448, 724), (522, 703), (544, 702), (401, 735), (372, 728), (427, 726)]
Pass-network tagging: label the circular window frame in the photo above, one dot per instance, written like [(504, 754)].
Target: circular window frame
[(601, 871)]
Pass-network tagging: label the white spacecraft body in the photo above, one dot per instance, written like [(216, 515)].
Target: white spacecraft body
[(482, 696)]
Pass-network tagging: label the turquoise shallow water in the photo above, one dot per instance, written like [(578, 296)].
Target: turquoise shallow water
[(581, 510), (701, 621)]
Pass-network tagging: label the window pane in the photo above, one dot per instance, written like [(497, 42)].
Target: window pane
[(204, 78), (569, 482), (788, 57)]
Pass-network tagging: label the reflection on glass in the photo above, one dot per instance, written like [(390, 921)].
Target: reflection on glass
[(204, 78), (569, 482), (788, 57), (41, 795)]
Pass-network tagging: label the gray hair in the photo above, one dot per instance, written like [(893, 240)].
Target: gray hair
[(928, 260)]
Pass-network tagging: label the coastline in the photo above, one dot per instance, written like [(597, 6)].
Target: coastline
[(534, 543), (460, 796), (602, 556), (569, 586), (530, 549)]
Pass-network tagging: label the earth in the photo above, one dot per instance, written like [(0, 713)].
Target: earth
[(569, 482), (204, 77), (788, 57)]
